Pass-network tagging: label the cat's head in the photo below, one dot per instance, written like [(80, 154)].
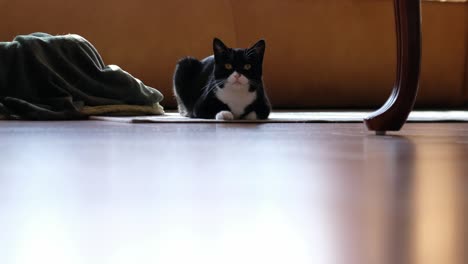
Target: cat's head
[(239, 66)]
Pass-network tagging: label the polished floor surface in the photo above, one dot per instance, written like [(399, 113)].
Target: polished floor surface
[(102, 192)]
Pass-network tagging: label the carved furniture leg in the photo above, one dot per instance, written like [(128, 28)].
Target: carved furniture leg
[(394, 113)]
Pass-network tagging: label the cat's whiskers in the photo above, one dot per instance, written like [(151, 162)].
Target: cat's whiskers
[(206, 90), (211, 86), (255, 83)]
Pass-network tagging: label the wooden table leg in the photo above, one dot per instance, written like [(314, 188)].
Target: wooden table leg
[(394, 113)]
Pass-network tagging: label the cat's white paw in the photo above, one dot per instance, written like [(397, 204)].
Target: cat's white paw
[(224, 115)]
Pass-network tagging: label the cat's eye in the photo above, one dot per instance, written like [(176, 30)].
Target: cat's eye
[(228, 66), (247, 67)]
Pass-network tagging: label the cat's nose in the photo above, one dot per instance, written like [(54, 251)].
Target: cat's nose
[(237, 75)]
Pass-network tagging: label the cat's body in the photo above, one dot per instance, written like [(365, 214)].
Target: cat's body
[(227, 85)]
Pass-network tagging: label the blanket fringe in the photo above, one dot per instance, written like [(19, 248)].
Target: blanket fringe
[(123, 110)]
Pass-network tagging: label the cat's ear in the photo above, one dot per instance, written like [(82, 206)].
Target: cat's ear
[(259, 47), (219, 47)]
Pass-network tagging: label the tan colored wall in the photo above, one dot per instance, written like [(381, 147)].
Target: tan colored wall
[(466, 56), (321, 53), (342, 53), (444, 54)]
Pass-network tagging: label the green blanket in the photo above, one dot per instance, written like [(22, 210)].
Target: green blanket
[(45, 77)]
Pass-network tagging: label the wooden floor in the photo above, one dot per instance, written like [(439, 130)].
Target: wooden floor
[(101, 192)]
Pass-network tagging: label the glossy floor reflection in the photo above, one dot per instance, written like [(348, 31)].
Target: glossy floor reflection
[(102, 192)]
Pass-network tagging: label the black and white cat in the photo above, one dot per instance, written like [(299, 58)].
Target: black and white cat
[(227, 85)]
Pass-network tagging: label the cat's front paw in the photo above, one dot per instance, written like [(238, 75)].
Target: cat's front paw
[(224, 115), (251, 116)]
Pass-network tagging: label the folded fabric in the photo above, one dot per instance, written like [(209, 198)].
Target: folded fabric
[(45, 77)]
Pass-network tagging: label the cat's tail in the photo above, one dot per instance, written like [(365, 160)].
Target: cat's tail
[(185, 84)]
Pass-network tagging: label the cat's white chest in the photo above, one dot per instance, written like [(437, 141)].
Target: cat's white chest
[(237, 97)]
